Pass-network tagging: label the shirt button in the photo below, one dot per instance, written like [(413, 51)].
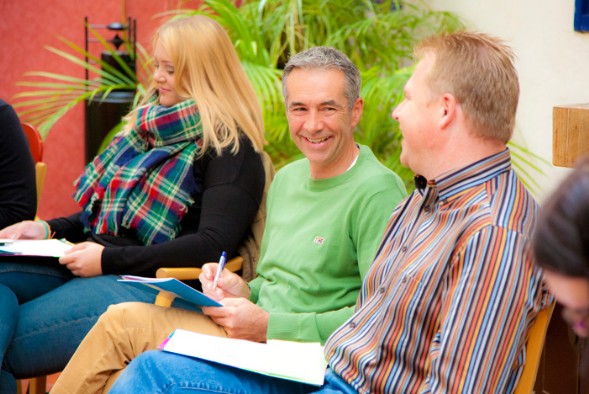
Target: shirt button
[(381, 290), (404, 249), (426, 209), (404, 280), (352, 325)]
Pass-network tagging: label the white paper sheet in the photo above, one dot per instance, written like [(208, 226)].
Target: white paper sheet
[(34, 247), (299, 361)]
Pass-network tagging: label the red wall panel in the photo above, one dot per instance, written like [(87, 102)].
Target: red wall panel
[(26, 27)]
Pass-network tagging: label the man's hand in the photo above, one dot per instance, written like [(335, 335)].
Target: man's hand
[(84, 259), (230, 285), (241, 319)]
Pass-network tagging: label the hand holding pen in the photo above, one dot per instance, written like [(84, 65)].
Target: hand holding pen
[(231, 286), (220, 268)]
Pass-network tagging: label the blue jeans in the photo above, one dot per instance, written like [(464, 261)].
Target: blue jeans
[(156, 372), (45, 312)]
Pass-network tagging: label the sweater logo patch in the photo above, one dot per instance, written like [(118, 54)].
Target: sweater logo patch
[(318, 240)]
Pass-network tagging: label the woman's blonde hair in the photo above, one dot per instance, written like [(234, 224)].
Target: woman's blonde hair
[(207, 69)]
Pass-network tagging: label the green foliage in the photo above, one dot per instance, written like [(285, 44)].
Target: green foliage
[(52, 95), (528, 166), (377, 36)]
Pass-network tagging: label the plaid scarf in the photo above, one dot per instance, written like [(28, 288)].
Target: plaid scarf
[(143, 180)]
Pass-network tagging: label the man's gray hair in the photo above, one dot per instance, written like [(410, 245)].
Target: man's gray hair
[(326, 58)]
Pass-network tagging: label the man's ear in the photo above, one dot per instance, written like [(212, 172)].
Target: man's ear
[(357, 111), (448, 110)]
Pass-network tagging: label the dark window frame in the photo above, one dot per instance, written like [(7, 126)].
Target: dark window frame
[(581, 22)]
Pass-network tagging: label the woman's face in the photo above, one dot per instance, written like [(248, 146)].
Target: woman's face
[(573, 293), (163, 76)]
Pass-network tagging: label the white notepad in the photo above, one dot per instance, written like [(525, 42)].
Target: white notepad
[(34, 247), (299, 361)]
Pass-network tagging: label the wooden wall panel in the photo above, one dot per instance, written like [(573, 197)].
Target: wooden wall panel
[(570, 134)]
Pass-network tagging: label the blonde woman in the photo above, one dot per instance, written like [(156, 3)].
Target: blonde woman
[(180, 185)]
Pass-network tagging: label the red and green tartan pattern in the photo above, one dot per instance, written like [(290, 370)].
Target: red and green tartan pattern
[(143, 180)]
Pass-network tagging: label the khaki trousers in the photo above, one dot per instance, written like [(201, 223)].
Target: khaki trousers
[(123, 332)]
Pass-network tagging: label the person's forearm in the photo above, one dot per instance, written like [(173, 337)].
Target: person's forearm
[(307, 327), (70, 228)]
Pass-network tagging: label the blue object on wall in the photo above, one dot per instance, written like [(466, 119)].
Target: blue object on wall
[(581, 15)]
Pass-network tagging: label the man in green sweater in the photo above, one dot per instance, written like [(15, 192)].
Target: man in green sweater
[(325, 218)]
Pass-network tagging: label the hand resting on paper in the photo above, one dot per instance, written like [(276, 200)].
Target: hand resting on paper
[(84, 259), (26, 229)]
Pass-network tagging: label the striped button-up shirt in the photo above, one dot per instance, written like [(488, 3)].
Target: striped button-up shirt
[(447, 303)]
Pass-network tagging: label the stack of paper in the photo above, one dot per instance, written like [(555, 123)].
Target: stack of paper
[(298, 361), (34, 247)]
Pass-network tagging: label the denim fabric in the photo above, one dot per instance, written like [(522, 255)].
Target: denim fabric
[(156, 372), (334, 384), (56, 311), (9, 307)]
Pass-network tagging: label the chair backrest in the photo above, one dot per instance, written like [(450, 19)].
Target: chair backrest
[(534, 347), (250, 249), (36, 385), (35, 141), (36, 146)]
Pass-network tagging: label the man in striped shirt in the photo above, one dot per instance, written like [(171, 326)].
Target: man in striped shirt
[(452, 292), (447, 303)]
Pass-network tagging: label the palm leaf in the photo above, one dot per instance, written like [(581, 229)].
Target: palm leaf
[(378, 36), (524, 162), (52, 95)]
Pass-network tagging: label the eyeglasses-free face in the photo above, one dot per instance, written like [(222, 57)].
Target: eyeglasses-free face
[(578, 319), (573, 293)]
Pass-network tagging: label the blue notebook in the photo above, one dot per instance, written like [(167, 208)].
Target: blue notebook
[(172, 285)]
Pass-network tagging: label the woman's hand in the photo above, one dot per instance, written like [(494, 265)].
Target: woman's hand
[(229, 284), (84, 259), (27, 229)]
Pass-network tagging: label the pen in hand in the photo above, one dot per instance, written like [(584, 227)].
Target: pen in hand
[(222, 261)]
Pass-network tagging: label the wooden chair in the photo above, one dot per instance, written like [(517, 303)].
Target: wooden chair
[(534, 347), (36, 147), (36, 385)]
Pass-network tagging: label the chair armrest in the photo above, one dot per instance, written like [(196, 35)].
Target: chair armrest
[(178, 273), (534, 347), (166, 299), (232, 265)]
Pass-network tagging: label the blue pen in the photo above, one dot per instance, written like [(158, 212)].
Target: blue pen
[(222, 261)]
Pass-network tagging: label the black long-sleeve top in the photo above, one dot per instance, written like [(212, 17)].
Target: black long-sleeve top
[(18, 193), (218, 221)]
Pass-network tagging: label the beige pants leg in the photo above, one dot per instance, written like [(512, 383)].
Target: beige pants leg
[(123, 332)]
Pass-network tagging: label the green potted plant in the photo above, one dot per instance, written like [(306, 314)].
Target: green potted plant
[(52, 95), (378, 36)]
